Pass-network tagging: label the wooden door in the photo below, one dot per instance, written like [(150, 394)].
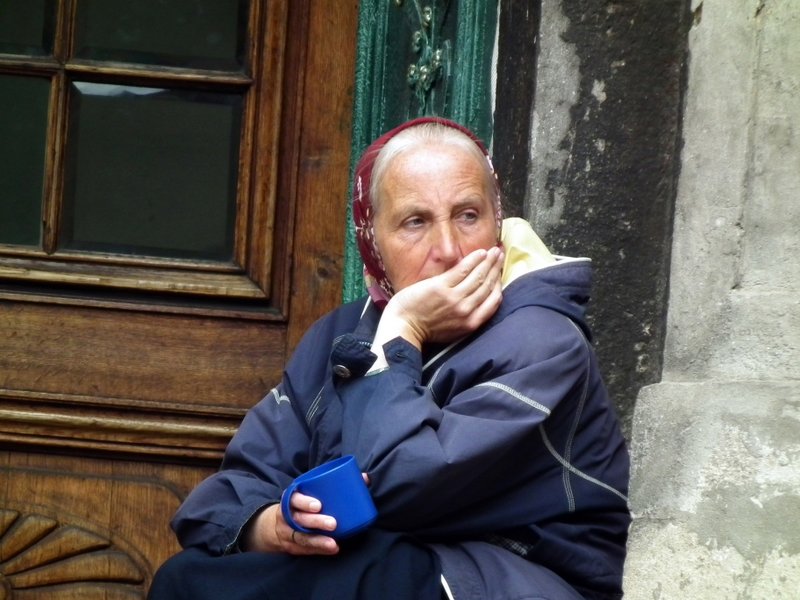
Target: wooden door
[(133, 340)]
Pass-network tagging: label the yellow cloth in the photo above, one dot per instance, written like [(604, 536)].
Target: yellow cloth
[(524, 251)]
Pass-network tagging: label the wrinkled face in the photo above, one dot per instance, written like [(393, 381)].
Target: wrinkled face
[(436, 206)]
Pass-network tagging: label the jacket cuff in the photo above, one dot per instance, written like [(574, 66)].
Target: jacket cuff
[(351, 357), (235, 547), (404, 356)]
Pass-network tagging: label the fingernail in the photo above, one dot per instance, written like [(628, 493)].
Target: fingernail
[(315, 505)]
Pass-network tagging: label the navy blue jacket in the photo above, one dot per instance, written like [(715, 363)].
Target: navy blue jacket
[(507, 436)]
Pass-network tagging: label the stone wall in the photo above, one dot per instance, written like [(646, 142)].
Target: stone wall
[(682, 182), (595, 108), (716, 444)]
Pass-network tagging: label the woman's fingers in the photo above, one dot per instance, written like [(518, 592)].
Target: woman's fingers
[(305, 503), (447, 306), (306, 512), (477, 295), (305, 544), (483, 274), (462, 271)]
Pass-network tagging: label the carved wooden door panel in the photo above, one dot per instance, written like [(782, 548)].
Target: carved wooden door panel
[(173, 188)]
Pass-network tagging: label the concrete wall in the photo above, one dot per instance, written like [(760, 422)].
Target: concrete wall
[(716, 444), (595, 109), (681, 179)]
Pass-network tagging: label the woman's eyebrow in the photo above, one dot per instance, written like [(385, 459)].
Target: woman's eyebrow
[(469, 201), (415, 208)]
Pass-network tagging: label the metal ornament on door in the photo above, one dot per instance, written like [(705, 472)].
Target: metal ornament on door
[(429, 74)]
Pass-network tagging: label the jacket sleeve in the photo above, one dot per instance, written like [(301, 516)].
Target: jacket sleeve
[(460, 469), (267, 452), (270, 449)]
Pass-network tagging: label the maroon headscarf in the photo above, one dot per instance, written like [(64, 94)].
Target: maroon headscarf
[(378, 285)]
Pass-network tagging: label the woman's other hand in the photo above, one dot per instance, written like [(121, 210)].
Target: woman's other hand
[(448, 306), (269, 531)]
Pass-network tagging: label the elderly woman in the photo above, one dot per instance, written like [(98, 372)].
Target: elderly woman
[(466, 387)]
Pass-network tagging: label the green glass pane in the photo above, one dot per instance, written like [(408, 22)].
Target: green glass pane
[(151, 172), (27, 26), (23, 136), (201, 34)]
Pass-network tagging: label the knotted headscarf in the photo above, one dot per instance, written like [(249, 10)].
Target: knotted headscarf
[(378, 285)]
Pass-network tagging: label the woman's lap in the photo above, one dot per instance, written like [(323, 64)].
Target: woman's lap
[(375, 565), (479, 570)]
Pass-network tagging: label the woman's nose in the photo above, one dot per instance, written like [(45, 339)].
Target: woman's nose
[(446, 246)]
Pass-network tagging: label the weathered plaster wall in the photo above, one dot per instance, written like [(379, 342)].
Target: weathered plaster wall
[(716, 444), (599, 178), (683, 184)]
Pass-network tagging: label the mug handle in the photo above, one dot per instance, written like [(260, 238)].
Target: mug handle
[(286, 509)]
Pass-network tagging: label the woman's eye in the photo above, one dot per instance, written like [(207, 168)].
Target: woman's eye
[(413, 222), (469, 216)]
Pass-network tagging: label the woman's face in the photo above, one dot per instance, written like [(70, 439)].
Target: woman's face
[(436, 206)]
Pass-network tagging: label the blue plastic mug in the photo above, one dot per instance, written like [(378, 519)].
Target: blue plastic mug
[(338, 485)]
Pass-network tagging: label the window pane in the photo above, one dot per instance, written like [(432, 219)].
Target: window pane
[(23, 133), (202, 34), (151, 171), (27, 26)]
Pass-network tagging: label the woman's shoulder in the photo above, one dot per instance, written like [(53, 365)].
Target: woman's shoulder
[(339, 321), (531, 334)]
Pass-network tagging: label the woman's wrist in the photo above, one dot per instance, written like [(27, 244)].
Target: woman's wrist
[(252, 538), (393, 325)]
